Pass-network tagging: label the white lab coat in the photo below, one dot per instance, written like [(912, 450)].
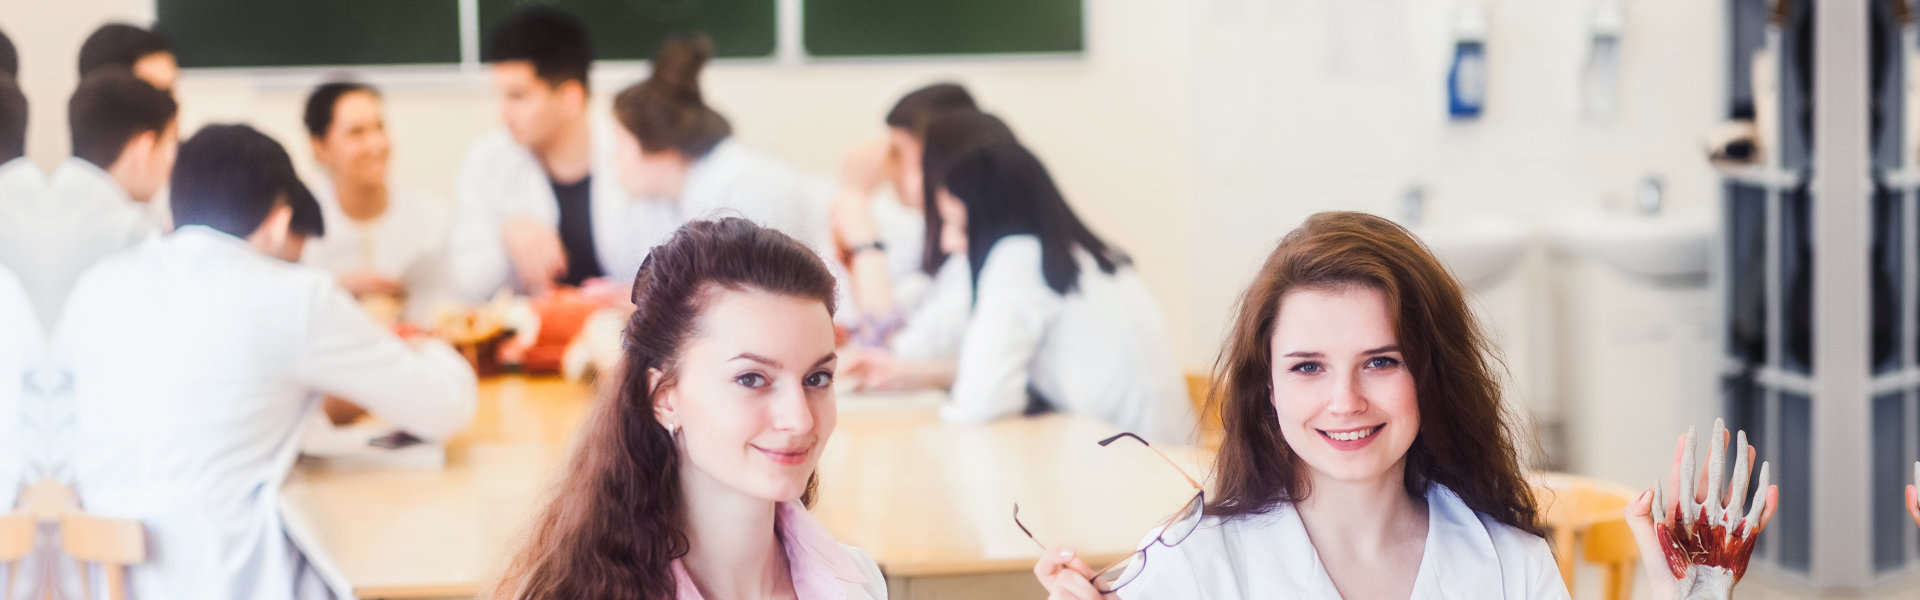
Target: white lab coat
[(501, 179), (1100, 350), (21, 347), (406, 244), (937, 320), (194, 360), (84, 216), (1468, 555)]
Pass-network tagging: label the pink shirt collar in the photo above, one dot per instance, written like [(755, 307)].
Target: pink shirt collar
[(820, 567)]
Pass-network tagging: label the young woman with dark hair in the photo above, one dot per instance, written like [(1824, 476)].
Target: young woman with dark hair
[(1058, 319), (694, 472), (676, 150), (382, 241), (1366, 455), (881, 241)]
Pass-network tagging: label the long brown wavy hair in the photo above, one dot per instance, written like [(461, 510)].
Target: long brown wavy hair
[(616, 521), (1466, 440)]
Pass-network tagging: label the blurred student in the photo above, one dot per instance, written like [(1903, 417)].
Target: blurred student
[(879, 240), (142, 52), (124, 135), (693, 476), (539, 205), (1059, 319), (21, 182), (921, 351), (680, 154), (21, 352), (383, 241), (194, 359)]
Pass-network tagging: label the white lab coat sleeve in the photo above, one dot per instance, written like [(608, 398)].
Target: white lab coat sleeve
[(428, 390), (1011, 316), (477, 262), (937, 324)]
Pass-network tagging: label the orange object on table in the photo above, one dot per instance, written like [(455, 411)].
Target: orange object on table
[(563, 314)]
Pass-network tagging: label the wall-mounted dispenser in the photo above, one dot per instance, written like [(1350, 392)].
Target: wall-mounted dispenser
[(1600, 78), (1467, 79)]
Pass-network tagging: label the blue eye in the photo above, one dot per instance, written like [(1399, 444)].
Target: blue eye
[(1307, 368), (751, 380), (1382, 362), (820, 380)]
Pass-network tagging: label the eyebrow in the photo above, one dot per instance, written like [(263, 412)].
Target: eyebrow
[(776, 364), (1309, 354)]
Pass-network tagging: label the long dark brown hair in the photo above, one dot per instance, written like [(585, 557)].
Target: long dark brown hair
[(667, 110), (948, 137), (615, 524), (1466, 440)]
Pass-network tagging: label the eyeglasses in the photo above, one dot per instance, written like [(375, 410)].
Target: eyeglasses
[(1174, 529)]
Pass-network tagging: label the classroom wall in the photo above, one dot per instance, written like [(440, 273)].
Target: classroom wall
[(1192, 133)]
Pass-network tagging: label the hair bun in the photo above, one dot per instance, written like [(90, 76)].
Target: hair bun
[(676, 67)]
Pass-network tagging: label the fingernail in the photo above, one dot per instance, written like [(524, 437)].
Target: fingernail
[(1066, 553), (1644, 495)]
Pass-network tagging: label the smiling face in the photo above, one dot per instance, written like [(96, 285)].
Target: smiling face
[(355, 146), (1341, 388), (753, 396)]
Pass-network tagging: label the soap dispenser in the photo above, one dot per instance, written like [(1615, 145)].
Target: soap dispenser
[(1600, 79), (1467, 79)]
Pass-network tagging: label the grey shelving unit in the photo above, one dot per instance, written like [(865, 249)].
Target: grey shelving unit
[(1766, 262)]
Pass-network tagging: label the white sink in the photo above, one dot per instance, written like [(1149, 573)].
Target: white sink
[(1479, 251), (1663, 246)]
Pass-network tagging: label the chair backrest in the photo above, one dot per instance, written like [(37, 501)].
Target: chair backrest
[(111, 544), (1584, 515), (1199, 386)]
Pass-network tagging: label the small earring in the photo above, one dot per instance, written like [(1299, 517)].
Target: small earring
[(673, 428)]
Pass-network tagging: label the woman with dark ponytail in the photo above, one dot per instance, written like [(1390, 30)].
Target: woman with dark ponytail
[(693, 474), (673, 147)]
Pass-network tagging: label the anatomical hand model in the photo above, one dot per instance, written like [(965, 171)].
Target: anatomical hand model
[(1696, 544)]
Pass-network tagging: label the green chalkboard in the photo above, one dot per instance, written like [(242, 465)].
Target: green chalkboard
[(919, 27), (284, 33), (633, 29)]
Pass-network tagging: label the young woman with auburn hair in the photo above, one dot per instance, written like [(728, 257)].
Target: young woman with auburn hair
[(1367, 454)]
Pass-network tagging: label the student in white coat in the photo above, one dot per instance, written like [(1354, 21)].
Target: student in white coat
[(881, 240), (1059, 318), (1366, 452), (693, 475), (381, 241), (196, 356), (680, 153), (22, 185), (539, 204), (124, 137)]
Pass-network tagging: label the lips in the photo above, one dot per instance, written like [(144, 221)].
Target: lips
[(786, 456), (1350, 439)]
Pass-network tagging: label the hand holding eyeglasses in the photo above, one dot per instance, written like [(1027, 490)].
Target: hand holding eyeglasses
[(1066, 577), (1061, 571)]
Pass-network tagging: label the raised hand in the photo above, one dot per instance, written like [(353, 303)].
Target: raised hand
[(1697, 544)]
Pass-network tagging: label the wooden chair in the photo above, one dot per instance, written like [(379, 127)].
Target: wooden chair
[(1211, 430), (16, 542), (111, 544), (1583, 517)]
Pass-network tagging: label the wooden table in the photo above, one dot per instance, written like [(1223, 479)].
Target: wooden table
[(931, 501)]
